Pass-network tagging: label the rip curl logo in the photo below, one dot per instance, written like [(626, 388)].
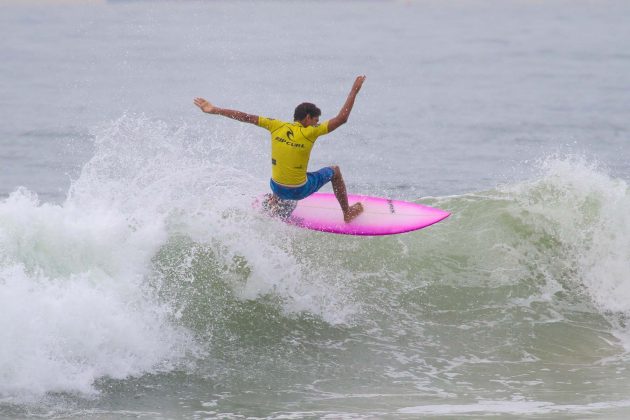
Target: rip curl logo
[(289, 143), (290, 134)]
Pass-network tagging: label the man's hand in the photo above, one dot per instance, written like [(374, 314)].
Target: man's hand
[(205, 106), (356, 87)]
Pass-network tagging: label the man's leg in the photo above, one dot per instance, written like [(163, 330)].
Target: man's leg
[(339, 187)]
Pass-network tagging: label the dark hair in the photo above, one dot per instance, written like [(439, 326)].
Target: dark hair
[(304, 109)]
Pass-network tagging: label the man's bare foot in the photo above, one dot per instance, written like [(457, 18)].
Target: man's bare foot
[(353, 211), (276, 207)]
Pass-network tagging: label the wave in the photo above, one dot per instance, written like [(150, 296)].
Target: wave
[(152, 258)]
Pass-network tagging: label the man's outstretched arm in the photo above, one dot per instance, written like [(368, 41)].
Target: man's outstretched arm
[(344, 113), (208, 108)]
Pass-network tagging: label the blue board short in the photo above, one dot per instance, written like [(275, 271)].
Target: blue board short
[(314, 181)]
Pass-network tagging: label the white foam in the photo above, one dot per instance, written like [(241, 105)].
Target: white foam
[(74, 305), (512, 407), (76, 278)]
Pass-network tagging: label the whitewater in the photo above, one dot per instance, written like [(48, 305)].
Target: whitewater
[(138, 280)]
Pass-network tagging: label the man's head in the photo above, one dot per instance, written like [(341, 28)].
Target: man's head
[(307, 113)]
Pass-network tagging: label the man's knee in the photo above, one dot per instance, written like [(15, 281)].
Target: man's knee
[(336, 171)]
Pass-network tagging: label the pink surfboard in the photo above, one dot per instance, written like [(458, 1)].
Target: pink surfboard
[(380, 216)]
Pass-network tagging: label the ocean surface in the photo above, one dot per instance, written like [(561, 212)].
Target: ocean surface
[(136, 280)]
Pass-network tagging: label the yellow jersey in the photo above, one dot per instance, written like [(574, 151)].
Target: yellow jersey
[(291, 145)]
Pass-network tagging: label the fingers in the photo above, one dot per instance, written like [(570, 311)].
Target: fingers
[(204, 105), (358, 82)]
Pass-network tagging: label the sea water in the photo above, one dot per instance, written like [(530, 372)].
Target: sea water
[(136, 281)]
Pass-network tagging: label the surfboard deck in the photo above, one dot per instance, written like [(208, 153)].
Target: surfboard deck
[(381, 216)]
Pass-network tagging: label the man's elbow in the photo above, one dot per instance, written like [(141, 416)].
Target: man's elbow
[(342, 119)]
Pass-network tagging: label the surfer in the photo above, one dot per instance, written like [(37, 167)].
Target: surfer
[(291, 144)]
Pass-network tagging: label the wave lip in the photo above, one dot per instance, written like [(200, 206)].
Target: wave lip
[(587, 213)]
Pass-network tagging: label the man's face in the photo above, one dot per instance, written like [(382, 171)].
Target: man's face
[(310, 120)]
